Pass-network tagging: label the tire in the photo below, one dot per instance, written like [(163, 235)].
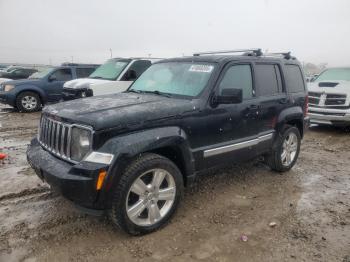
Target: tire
[(28, 102), (136, 213), (275, 159)]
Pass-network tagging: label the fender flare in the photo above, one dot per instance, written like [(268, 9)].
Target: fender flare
[(291, 114), (126, 147), (31, 88)]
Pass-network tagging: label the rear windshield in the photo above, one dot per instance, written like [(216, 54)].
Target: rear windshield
[(110, 70), (334, 74)]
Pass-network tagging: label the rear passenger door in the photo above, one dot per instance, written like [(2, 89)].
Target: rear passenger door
[(272, 96)]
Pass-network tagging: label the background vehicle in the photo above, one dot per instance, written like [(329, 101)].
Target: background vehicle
[(114, 76), (18, 73), (43, 87), (132, 153), (329, 97)]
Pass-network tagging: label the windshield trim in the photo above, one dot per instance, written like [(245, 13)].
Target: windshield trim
[(212, 75)]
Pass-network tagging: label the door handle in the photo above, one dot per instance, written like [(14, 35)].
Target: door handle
[(254, 107)]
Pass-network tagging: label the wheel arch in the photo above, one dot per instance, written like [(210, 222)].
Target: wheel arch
[(33, 89), (293, 116), (169, 142)]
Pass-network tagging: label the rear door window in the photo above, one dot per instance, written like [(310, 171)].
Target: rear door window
[(84, 72), (294, 79), (268, 79)]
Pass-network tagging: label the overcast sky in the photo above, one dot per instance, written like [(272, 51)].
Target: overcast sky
[(40, 31)]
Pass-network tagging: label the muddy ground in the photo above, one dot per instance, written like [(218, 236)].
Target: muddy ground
[(310, 204)]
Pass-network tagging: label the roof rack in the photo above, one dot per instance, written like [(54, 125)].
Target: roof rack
[(248, 52), (285, 55), (77, 64)]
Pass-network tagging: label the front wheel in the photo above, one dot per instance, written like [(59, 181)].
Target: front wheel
[(147, 195), (28, 102), (286, 150)]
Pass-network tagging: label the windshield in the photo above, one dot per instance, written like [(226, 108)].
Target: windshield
[(175, 78), (41, 73), (334, 74), (110, 70)]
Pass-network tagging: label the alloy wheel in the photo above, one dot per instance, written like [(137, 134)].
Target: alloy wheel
[(289, 149), (29, 102), (150, 197)]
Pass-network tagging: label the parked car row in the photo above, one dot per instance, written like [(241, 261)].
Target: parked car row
[(115, 76), (29, 95), (72, 81), (131, 154)]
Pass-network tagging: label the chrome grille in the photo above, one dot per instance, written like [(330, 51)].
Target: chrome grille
[(326, 100), (55, 136), (314, 98), (335, 99)]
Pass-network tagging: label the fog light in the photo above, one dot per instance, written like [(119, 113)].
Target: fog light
[(101, 177)]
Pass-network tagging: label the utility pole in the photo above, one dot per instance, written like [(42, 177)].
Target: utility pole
[(72, 58), (110, 50)]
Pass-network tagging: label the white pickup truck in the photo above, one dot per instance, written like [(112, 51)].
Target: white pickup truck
[(329, 97), (114, 76)]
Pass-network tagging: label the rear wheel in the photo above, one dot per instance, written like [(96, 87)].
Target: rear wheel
[(147, 195), (286, 150), (28, 102)]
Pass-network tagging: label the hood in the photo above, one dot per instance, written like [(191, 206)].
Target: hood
[(23, 81), (120, 110), (330, 87), (84, 83), (3, 80)]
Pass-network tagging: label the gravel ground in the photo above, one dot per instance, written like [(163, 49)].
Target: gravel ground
[(310, 206)]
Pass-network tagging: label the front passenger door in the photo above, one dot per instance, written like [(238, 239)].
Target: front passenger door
[(232, 128), (55, 83)]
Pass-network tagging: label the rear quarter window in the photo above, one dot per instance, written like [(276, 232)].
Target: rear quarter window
[(294, 79)]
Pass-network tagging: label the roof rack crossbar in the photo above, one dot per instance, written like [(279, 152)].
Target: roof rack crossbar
[(254, 51), (286, 55)]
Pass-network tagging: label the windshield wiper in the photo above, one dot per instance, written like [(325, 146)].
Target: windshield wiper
[(97, 77), (156, 92), (134, 91)]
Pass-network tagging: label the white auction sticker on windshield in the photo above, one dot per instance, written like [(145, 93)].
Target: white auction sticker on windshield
[(201, 68)]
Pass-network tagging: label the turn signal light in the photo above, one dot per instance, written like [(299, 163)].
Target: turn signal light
[(101, 177)]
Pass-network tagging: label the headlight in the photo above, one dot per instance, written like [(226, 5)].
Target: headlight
[(8, 88), (80, 143)]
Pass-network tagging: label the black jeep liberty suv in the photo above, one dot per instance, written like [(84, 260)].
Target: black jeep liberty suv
[(131, 154)]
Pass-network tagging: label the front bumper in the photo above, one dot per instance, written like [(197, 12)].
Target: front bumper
[(75, 182), (7, 98), (336, 117)]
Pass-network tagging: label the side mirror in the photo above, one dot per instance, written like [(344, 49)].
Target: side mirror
[(131, 75), (52, 78), (229, 96)]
